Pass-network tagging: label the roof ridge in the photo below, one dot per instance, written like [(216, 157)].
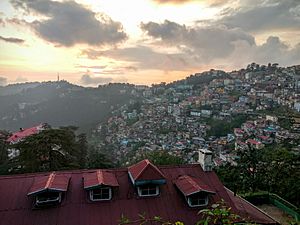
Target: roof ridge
[(50, 180), (143, 169), (193, 182), (100, 176)]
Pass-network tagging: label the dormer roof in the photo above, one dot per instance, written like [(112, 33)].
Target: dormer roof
[(99, 178), (191, 185), (145, 171), (50, 182)]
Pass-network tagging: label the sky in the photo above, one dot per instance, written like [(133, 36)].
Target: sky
[(92, 42)]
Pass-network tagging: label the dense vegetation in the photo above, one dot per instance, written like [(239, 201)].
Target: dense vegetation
[(274, 169), (59, 104), (51, 149)]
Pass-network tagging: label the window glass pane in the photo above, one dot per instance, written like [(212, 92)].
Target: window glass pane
[(101, 194), (48, 196), (148, 190), (198, 199)]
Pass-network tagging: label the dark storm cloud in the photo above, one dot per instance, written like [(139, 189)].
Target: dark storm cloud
[(69, 23), (206, 43), (263, 15), (12, 40)]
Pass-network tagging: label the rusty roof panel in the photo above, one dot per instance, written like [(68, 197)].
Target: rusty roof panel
[(16, 208), (52, 181), (190, 185), (145, 170), (98, 178)]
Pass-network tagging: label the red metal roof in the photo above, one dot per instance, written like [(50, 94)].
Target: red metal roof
[(190, 185), (98, 178), (54, 182), (16, 208), (17, 136), (249, 211), (145, 170), (253, 142)]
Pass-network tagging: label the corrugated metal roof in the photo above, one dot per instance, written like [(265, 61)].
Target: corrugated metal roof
[(145, 170), (247, 210), (190, 185), (17, 136), (75, 208), (98, 178), (52, 181)]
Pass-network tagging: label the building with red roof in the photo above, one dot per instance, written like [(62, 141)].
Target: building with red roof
[(23, 133), (101, 197)]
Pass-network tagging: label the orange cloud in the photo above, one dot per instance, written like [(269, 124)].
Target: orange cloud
[(212, 3), (172, 1)]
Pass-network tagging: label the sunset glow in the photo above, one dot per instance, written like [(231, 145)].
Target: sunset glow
[(142, 41)]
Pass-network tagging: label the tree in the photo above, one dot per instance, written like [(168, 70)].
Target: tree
[(274, 169), (4, 161), (82, 145), (52, 149), (97, 159), (162, 157)]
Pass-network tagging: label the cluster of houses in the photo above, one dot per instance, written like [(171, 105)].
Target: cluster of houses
[(176, 117)]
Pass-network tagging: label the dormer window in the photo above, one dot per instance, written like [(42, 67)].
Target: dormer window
[(198, 199), (195, 191), (101, 194), (147, 178), (48, 190), (100, 185), (48, 198), (148, 190)]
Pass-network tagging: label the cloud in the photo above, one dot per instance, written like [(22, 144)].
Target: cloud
[(69, 23), (87, 79), (12, 40), (2, 23), (173, 1), (262, 15), (209, 2), (272, 50), (21, 79), (204, 43), (3, 81), (142, 57)]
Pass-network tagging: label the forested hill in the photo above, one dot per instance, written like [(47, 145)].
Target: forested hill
[(59, 104)]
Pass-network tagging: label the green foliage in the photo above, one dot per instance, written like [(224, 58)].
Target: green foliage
[(132, 121), (223, 127), (97, 159), (51, 149), (273, 169), (163, 131), (218, 214), (4, 162), (161, 157)]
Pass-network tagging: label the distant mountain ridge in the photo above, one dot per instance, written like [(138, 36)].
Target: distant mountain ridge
[(58, 103)]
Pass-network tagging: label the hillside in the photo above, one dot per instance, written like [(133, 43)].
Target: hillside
[(59, 104)]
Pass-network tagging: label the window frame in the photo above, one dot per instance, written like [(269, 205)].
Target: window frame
[(91, 194), (55, 201), (141, 188), (205, 198)]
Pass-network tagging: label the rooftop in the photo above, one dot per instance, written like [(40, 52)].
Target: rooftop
[(76, 208)]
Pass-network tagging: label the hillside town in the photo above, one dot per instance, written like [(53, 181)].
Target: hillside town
[(250, 108)]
